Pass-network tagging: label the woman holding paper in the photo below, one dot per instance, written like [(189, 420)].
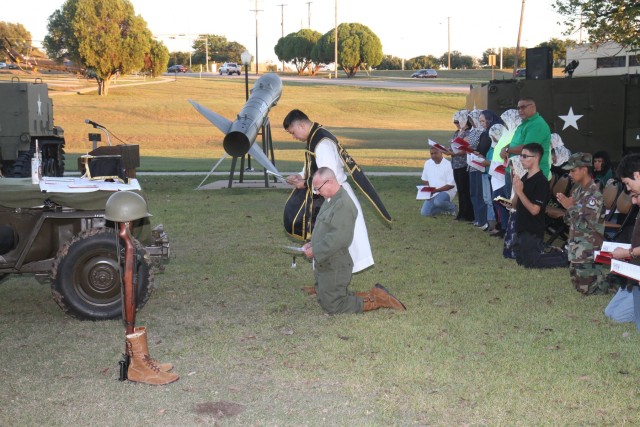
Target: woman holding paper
[(460, 172)]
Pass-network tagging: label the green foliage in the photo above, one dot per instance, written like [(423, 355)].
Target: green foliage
[(420, 62), (220, 50), (104, 35), (14, 37), (390, 62), (181, 58), (559, 48), (458, 60), (508, 56), (157, 58), (604, 20), (358, 47), (298, 48)]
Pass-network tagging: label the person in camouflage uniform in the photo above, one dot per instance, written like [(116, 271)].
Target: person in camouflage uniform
[(585, 217)]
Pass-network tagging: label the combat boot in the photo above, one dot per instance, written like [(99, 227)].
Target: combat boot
[(379, 297), (141, 367), (311, 290), (164, 367)]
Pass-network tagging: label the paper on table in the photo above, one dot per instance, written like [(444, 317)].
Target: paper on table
[(84, 185)]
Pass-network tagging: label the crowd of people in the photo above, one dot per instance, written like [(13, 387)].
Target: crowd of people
[(503, 169)]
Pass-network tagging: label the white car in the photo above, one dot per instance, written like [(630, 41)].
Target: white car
[(230, 68), (3, 65)]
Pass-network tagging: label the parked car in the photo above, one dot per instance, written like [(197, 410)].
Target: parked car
[(12, 66), (178, 68), (3, 65), (425, 74), (521, 72), (230, 68)]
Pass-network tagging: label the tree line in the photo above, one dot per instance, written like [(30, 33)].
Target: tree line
[(108, 38)]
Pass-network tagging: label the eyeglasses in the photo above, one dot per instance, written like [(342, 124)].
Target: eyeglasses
[(527, 156), (522, 107), (317, 190)]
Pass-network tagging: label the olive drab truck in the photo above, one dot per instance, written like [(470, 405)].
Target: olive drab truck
[(590, 113), (26, 115)]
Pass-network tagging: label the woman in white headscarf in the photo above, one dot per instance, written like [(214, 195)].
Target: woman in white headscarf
[(511, 120), (460, 173), (472, 136)]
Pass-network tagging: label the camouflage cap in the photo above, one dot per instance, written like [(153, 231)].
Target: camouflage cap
[(578, 160)]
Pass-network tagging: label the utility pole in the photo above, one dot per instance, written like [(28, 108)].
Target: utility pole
[(448, 42), (282, 26), (256, 10), (515, 62), (309, 13), (335, 45)]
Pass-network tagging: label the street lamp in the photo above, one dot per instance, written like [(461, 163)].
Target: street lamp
[(246, 60), (245, 57)]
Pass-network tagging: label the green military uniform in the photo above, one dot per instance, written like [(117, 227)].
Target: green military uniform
[(586, 221), (332, 235)]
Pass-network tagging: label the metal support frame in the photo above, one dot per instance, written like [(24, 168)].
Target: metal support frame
[(267, 149)]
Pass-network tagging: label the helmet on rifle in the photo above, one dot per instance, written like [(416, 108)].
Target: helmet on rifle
[(125, 206)]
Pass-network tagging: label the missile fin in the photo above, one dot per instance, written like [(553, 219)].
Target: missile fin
[(218, 121), (262, 158)]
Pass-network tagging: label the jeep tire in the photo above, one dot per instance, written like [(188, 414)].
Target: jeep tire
[(85, 279)]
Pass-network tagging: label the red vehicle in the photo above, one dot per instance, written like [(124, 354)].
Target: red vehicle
[(178, 68)]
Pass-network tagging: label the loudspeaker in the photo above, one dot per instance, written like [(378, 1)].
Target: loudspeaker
[(539, 63)]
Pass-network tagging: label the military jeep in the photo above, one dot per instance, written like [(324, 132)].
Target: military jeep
[(63, 239)]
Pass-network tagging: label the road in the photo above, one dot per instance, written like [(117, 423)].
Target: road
[(397, 83)]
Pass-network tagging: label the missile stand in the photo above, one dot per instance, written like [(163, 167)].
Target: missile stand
[(267, 149)]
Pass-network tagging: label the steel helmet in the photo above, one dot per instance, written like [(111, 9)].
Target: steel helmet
[(125, 206)]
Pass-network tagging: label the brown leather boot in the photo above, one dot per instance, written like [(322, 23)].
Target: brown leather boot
[(379, 297), (164, 367), (311, 290), (141, 367)]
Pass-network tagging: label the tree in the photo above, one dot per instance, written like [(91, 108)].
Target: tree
[(104, 35), (14, 37), (508, 56), (182, 58), (458, 60), (390, 62), (298, 49), (220, 49), (604, 20), (156, 60), (358, 46), (559, 48), (420, 62)]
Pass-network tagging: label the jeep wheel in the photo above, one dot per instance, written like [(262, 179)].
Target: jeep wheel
[(22, 165), (86, 276)]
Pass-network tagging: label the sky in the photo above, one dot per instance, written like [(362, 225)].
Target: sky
[(406, 28)]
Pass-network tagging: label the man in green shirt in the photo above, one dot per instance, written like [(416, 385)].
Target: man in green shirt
[(532, 129), (329, 249)]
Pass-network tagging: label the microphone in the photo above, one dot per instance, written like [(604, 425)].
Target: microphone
[(94, 124)]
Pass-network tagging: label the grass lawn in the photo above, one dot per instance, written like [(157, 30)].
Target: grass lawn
[(483, 342), (382, 129)]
